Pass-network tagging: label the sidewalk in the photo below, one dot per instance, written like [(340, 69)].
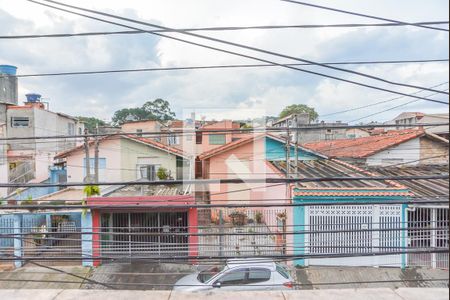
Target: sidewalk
[(354, 294)]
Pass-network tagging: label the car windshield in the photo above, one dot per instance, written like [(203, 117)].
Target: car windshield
[(209, 273)]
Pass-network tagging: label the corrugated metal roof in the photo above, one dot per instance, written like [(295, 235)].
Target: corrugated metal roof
[(337, 168), (420, 188)]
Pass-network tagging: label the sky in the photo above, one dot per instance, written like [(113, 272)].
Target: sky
[(240, 93)]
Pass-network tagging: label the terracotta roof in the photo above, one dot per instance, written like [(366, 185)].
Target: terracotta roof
[(243, 141), (229, 146), (365, 146), (149, 142)]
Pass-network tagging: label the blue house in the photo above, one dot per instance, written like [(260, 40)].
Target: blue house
[(31, 234), (329, 234)]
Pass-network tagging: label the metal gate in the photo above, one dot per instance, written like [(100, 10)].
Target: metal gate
[(426, 232), (353, 230), (144, 234)]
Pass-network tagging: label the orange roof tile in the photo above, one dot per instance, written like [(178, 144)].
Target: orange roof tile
[(365, 146)]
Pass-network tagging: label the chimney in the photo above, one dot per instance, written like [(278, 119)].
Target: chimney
[(8, 84)]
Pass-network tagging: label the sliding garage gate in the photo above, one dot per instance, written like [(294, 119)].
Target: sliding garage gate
[(148, 234), (347, 235)]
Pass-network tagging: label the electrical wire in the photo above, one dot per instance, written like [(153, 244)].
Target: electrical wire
[(325, 202), (236, 131), (389, 109), (236, 45), (219, 67), (364, 15), (224, 28), (374, 104)]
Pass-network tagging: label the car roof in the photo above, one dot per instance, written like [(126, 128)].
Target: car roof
[(252, 262)]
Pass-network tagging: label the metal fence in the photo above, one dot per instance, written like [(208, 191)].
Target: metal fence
[(150, 233), (231, 233), (428, 218)]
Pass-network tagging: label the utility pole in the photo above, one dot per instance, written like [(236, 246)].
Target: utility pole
[(87, 179), (288, 150), (296, 146), (96, 152)]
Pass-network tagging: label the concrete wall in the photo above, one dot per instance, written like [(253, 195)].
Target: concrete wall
[(433, 152), (413, 152), (403, 153), (21, 131), (8, 89), (109, 149), (322, 134)]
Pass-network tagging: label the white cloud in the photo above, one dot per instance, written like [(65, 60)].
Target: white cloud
[(267, 89)]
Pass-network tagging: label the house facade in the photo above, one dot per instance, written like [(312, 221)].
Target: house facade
[(326, 233), (251, 158), (157, 226), (406, 147), (125, 158), (30, 159)]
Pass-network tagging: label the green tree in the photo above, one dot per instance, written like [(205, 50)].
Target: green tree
[(91, 123), (157, 110), (299, 108)]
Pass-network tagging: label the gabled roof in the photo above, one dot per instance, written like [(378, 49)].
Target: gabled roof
[(142, 140), (365, 146), (244, 141)]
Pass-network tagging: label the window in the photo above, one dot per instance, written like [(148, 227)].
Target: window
[(233, 278), (20, 122), (71, 129), (258, 275), (148, 172), (217, 139), (80, 131), (209, 273), (198, 138), (139, 132), (173, 140)]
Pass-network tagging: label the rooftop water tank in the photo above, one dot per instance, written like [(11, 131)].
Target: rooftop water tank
[(8, 70), (32, 98), (8, 84)]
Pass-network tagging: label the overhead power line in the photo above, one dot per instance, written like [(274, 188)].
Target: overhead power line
[(376, 103), (389, 109), (223, 28), (364, 15), (222, 258), (185, 132), (235, 45), (226, 181), (209, 206), (227, 67)]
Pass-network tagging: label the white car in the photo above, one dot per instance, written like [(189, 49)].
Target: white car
[(239, 275)]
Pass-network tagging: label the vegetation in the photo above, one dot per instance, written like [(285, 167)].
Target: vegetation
[(162, 173), (91, 190), (259, 217), (300, 108), (157, 110), (91, 123), (238, 218)]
